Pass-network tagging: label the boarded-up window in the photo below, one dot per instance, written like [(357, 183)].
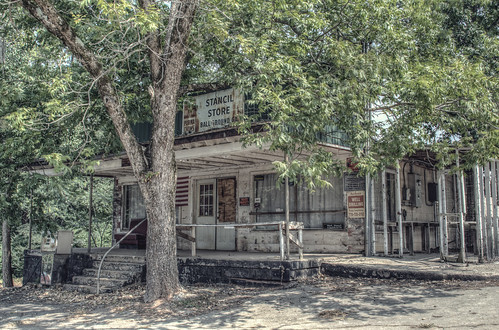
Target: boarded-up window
[(226, 196), (321, 208)]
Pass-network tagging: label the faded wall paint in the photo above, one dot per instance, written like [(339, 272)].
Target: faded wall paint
[(419, 216)]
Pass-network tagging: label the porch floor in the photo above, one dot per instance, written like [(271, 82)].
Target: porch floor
[(210, 254)]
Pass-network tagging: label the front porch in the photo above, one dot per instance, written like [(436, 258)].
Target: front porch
[(210, 266), (78, 271)]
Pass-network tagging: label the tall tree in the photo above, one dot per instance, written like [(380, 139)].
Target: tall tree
[(156, 172), (6, 255)]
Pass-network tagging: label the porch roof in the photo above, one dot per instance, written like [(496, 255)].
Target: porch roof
[(209, 154)]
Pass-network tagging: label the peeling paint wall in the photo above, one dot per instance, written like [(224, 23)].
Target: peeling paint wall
[(347, 240), (420, 216)]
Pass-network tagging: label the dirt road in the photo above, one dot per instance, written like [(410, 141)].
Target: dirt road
[(323, 303)]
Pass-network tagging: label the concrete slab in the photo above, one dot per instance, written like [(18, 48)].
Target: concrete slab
[(418, 266)]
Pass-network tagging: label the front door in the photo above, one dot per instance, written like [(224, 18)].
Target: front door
[(216, 204), (206, 214), (226, 214)]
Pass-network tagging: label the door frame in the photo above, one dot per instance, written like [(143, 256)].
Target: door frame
[(196, 203), (204, 235)]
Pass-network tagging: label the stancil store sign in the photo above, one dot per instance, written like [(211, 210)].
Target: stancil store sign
[(218, 109)]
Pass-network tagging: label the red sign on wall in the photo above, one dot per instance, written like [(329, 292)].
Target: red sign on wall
[(356, 204)]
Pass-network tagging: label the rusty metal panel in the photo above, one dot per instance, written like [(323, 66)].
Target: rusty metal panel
[(226, 195)]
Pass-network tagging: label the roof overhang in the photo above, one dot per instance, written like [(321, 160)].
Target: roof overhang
[(211, 154)]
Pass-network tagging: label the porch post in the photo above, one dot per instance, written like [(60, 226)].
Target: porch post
[(488, 201), (90, 207), (286, 189), (30, 218), (478, 212), (385, 213), (443, 212), (398, 205), (281, 242), (193, 242), (482, 214), (372, 218), (494, 206), (462, 209), (300, 241), (367, 221)]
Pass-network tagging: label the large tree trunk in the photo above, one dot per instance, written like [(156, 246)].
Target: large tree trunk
[(162, 271), (6, 256), (167, 66), (156, 178), (158, 190)]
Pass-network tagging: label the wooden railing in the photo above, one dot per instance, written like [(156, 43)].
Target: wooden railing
[(281, 225)]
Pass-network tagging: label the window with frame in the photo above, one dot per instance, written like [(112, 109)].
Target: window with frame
[(133, 206), (317, 209), (206, 200)]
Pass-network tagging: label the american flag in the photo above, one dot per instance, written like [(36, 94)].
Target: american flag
[(182, 193)]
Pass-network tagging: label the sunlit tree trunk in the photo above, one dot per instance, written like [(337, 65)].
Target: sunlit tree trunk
[(6, 256)]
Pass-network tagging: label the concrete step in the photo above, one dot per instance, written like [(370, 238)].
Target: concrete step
[(125, 266), (86, 288), (123, 259), (116, 274), (257, 283), (105, 282)]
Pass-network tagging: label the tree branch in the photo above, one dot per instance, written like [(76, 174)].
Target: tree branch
[(208, 87), (154, 47), (47, 14)]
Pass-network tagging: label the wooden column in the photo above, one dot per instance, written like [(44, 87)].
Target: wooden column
[(30, 218), (462, 209), (367, 215), (193, 242), (372, 219), (488, 207), (478, 212), (385, 213), (281, 242), (300, 241), (494, 205), (440, 217), (443, 211), (398, 205), (90, 207), (286, 189), (483, 214)]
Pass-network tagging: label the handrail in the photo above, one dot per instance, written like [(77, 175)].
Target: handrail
[(281, 226), (112, 247)]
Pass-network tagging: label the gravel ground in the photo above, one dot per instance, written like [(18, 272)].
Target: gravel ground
[(322, 302)]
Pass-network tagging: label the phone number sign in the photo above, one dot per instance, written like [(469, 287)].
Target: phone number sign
[(356, 207)]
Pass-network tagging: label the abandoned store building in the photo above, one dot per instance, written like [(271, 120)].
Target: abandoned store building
[(228, 199)]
